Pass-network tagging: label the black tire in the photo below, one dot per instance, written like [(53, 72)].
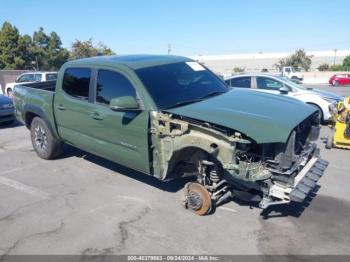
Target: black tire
[(44, 143), (319, 110), (335, 83)]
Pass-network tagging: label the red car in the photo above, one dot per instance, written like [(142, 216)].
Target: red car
[(337, 80)]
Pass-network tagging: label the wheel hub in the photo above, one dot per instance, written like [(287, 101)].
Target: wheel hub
[(40, 138), (197, 198)]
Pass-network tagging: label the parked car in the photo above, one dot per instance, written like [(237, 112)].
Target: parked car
[(30, 78), (319, 99), (170, 117), (7, 110), (340, 80)]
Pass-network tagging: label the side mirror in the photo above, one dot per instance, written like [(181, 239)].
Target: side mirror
[(284, 90), (124, 103)]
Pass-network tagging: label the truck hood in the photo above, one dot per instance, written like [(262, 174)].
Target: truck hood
[(263, 117)]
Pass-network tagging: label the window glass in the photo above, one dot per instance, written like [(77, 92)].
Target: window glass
[(111, 85), (287, 70), (37, 77), (176, 84), (26, 78), (76, 82), (51, 77), (244, 82), (268, 83)]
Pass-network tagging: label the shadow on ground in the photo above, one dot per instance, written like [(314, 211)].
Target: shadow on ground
[(10, 125), (172, 186)]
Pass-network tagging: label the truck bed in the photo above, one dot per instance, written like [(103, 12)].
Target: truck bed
[(47, 85), (36, 98)]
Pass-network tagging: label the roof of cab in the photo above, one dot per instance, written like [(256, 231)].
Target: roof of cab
[(132, 61)]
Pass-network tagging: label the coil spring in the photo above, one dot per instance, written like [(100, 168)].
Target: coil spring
[(214, 176)]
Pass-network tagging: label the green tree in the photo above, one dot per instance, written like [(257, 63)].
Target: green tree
[(336, 68), (83, 49), (10, 55), (298, 60), (48, 50), (323, 67), (346, 63)]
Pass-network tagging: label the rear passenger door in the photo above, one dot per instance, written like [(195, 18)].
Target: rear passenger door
[(72, 107)]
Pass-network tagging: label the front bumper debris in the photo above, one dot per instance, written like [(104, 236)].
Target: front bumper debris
[(304, 183)]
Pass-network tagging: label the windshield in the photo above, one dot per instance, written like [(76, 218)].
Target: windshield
[(291, 83), (180, 83)]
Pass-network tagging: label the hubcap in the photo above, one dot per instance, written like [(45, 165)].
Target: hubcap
[(40, 138)]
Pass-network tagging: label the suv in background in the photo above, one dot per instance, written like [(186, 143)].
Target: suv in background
[(30, 78), (321, 100)]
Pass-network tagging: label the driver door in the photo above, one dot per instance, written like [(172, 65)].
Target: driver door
[(120, 136)]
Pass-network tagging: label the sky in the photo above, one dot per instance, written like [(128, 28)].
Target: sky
[(192, 27)]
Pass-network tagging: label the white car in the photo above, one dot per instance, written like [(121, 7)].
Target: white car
[(321, 100), (29, 77)]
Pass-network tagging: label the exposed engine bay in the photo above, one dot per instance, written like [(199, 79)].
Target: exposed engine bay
[(229, 164)]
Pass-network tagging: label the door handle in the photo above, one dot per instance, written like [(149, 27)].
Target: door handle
[(96, 116), (61, 107)]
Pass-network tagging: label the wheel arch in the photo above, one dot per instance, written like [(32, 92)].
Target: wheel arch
[(31, 112), (188, 153), (319, 107)]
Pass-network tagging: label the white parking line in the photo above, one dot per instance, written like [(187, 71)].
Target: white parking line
[(228, 209), (8, 171), (22, 187)]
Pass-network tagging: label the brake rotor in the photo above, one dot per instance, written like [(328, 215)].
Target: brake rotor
[(197, 198)]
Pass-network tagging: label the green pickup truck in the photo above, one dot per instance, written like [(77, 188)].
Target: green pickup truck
[(170, 117)]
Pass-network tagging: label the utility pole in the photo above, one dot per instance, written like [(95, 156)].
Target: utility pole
[(169, 49), (335, 55)]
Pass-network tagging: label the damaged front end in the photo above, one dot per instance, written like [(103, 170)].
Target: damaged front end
[(229, 164)]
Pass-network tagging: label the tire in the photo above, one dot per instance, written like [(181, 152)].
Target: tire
[(319, 110), (44, 143), (335, 83)]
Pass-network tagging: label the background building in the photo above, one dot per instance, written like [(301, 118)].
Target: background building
[(255, 62)]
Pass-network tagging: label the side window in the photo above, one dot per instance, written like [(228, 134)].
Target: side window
[(37, 77), (111, 85), (228, 82), (287, 69), (26, 78), (76, 82), (51, 77), (244, 82), (268, 83)]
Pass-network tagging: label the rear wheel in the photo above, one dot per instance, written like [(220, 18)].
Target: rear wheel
[(44, 143), (335, 83)]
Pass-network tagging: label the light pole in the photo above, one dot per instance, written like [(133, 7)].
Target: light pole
[(335, 55), (169, 49)]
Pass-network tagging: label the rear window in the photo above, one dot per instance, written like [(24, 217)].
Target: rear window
[(76, 82), (241, 82)]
